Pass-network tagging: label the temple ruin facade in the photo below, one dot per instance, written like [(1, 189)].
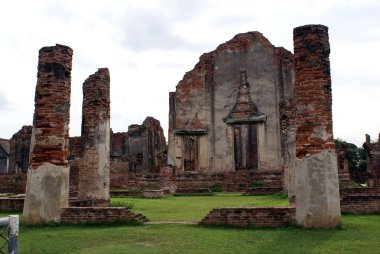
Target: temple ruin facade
[(234, 112)]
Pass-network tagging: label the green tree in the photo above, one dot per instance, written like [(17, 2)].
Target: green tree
[(355, 155)]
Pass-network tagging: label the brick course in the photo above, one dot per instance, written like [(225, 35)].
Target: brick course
[(312, 87), (250, 216), (360, 200), (13, 183), (78, 215), (11, 204)]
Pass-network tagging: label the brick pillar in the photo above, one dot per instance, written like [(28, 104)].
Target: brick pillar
[(47, 187), (95, 171), (317, 186)]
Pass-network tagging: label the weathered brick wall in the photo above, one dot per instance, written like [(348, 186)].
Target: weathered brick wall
[(360, 200), (52, 107), (251, 216), (361, 191), (201, 105), (343, 170), (75, 147), (287, 110), (4, 155), (312, 88), (119, 145), (78, 215), (11, 204), (119, 173), (20, 149), (142, 148), (75, 165), (75, 161), (95, 169), (12, 183), (231, 181), (373, 159)]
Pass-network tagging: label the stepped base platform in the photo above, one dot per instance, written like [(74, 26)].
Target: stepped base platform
[(84, 215)]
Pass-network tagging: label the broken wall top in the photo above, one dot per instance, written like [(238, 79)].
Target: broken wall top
[(198, 84)]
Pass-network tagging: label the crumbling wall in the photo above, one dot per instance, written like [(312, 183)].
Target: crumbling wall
[(343, 170), (316, 176), (250, 216), (95, 169), (20, 150), (287, 110), (75, 161), (200, 134), (13, 183), (140, 150), (47, 187), (4, 155), (373, 160)]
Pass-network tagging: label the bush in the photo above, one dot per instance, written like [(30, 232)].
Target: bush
[(255, 185), (281, 195), (216, 188)]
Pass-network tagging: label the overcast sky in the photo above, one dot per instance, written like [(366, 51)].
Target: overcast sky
[(149, 45)]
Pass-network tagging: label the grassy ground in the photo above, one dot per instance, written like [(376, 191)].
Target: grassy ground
[(358, 234), (194, 208)]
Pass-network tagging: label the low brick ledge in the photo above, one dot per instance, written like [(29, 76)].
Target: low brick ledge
[(263, 191), (80, 215), (11, 204), (190, 190), (251, 216), (360, 191)]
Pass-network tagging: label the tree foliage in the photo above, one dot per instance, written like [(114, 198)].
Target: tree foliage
[(356, 156)]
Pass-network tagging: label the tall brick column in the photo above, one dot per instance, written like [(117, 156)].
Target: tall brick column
[(317, 186), (94, 174), (47, 189)]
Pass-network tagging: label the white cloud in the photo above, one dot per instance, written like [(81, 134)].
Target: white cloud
[(148, 46)]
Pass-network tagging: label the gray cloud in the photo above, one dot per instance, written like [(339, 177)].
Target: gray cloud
[(146, 30), (186, 11), (359, 21), (143, 28), (233, 21), (4, 103)]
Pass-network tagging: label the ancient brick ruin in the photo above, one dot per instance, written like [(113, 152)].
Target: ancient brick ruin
[(143, 147), (48, 173), (373, 160), (316, 175), (250, 216), (227, 109), (249, 116), (20, 149), (343, 167), (4, 155), (95, 168)]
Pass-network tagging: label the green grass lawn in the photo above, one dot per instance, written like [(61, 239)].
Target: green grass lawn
[(194, 208), (358, 234)]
